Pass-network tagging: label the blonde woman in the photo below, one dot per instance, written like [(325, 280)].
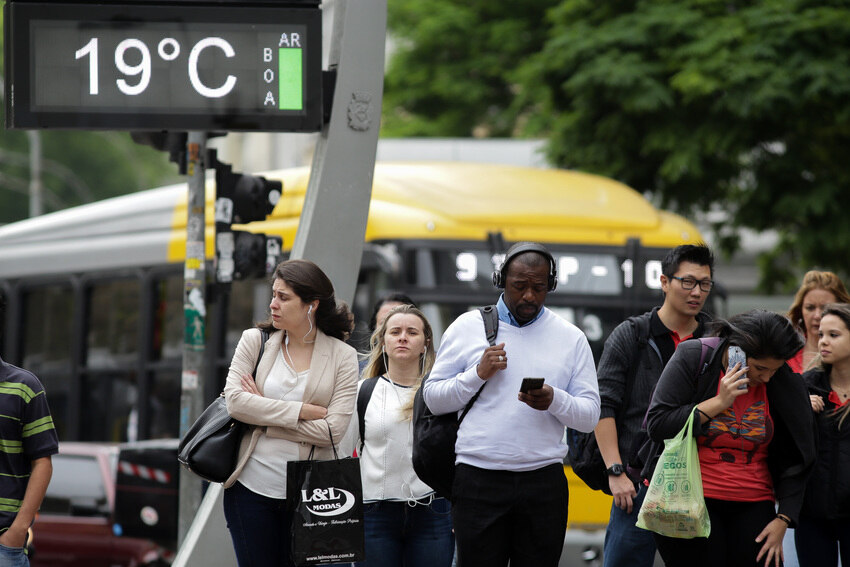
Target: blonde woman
[(406, 523), (818, 289)]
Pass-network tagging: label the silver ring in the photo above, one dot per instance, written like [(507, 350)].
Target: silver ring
[(501, 358)]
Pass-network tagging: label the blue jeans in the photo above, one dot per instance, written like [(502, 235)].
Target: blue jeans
[(626, 544), (400, 535), (13, 557), (258, 526)]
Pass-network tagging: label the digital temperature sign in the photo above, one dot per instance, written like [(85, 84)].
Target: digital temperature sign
[(163, 67)]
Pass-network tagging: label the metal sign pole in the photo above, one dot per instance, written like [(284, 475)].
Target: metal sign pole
[(333, 220), (194, 313), (336, 206)]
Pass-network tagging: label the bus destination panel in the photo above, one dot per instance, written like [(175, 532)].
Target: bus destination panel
[(582, 273)]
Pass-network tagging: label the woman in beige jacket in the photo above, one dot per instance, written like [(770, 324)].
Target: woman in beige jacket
[(304, 392)]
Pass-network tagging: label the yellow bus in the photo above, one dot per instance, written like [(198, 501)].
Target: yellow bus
[(94, 303)]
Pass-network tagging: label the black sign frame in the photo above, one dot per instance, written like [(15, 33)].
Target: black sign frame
[(19, 56)]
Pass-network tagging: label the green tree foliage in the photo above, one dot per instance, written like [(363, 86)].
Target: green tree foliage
[(452, 71), (77, 167), (743, 106)]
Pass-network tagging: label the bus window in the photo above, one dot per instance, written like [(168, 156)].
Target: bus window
[(107, 400), (113, 330), (47, 327), (48, 315), (168, 321), (249, 304), (164, 405)]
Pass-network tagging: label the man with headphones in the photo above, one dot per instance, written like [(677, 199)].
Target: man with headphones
[(510, 495)]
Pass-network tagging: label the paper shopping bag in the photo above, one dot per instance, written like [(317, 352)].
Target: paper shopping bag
[(325, 503)]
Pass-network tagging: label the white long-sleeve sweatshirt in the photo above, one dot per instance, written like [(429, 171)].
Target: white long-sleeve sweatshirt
[(500, 432), (386, 465)]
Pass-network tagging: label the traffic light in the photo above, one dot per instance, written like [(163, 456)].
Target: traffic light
[(240, 254), (242, 199)]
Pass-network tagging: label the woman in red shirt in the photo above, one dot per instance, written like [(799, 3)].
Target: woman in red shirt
[(817, 289), (755, 439)]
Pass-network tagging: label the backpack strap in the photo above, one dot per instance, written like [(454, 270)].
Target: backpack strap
[(491, 328), (642, 328), (491, 322), (706, 343), (363, 397)]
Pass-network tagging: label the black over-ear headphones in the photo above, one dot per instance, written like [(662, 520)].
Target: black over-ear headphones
[(500, 275)]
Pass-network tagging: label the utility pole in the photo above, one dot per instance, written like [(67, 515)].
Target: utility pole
[(344, 160), (341, 180), (194, 314), (36, 207)]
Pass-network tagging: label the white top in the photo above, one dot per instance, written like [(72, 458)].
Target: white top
[(386, 465), (500, 432), (265, 471)]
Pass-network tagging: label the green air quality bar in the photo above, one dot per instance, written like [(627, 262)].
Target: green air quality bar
[(291, 85)]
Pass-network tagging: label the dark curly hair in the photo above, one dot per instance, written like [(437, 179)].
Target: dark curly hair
[(310, 283)]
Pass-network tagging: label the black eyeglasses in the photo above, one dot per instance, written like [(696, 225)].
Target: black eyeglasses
[(690, 283)]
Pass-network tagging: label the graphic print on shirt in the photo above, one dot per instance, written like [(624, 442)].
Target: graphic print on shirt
[(730, 433)]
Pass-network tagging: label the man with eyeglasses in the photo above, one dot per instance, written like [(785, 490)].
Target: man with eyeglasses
[(632, 360)]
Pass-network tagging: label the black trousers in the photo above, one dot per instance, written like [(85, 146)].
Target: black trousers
[(732, 542), (501, 516), (819, 541)]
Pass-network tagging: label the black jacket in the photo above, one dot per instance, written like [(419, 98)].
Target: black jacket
[(828, 490), (791, 453), (628, 370)]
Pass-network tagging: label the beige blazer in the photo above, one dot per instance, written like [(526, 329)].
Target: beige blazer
[(332, 383)]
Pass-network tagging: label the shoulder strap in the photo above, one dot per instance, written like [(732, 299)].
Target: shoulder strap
[(491, 322), (641, 326), (264, 336), (491, 328), (706, 343), (363, 397)]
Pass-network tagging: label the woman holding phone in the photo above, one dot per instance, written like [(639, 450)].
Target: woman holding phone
[(755, 440), (824, 527)]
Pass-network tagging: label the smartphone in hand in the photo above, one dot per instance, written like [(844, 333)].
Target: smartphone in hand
[(736, 355), (530, 384)]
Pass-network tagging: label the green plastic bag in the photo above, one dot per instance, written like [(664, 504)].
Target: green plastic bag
[(674, 505)]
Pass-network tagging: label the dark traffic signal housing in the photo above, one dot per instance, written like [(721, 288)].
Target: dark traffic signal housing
[(243, 199)]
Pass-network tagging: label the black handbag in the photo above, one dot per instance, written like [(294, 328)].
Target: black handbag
[(211, 446), (434, 436), (325, 509)]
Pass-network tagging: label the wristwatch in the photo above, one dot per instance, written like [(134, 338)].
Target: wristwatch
[(615, 470)]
